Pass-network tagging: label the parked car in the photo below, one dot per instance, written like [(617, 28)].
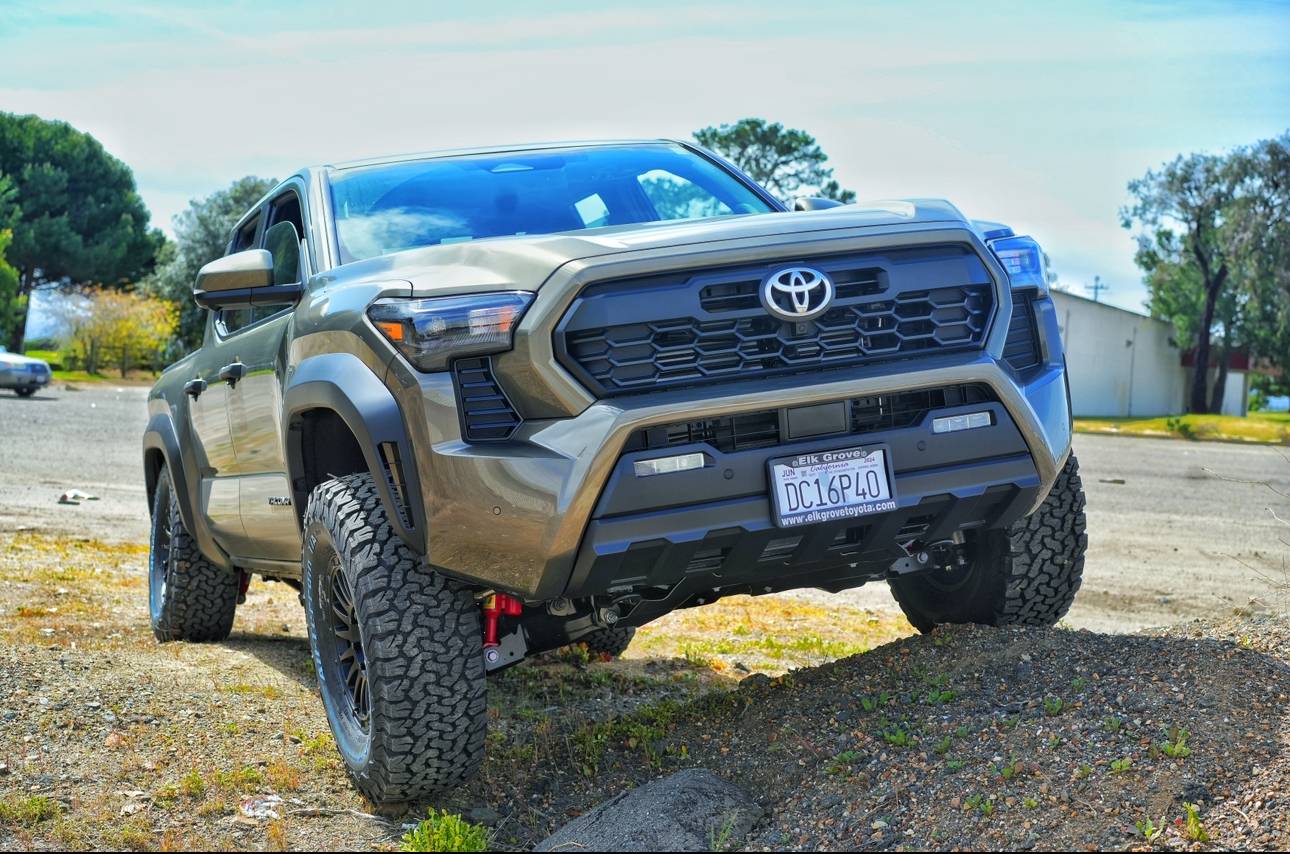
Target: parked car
[(24, 374), (480, 404)]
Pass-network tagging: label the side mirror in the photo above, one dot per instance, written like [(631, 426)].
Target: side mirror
[(805, 203), (229, 281), (241, 279)]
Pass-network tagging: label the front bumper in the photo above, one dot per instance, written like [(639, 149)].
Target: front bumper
[(528, 516)]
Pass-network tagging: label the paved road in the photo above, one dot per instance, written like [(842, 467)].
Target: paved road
[(89, 440), (1172, 541)]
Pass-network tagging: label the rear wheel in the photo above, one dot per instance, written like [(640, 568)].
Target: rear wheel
[(398, 649), (25, 392), (611, 642), (1025, 575), (189, 598)]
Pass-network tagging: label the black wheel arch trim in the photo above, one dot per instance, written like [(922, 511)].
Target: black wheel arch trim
[(160, 437), (345, 385)]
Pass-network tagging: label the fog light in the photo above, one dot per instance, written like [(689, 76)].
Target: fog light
[(954, 423), (668, 465)]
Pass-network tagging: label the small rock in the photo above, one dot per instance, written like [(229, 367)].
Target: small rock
[(484, 815), (114, 741), (682, 812)]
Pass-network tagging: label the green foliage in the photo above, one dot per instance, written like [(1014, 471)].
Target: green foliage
[(1112, 724), (898, 735), (842, 762), (1195, 830), (1149, 830), (1120, 766), (444, 831), (1054, 706), (13, 303), (786, 161), (80, 220), (1175, 744), (201, 235)]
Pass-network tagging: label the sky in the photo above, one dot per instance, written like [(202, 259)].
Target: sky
[(1034, 114)]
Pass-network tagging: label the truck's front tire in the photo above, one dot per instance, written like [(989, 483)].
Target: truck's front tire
[(397, 648), (1026, 575), (189, 598)]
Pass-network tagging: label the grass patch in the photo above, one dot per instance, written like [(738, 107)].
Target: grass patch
[(29, 811), (1271, 428), (771, 634), (445, 831)]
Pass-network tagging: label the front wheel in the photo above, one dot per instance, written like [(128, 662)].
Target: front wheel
[(25, 392), (1026, 575), (398, 649)]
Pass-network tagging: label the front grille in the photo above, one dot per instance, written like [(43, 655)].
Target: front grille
[(486, 414), (1021, 348), (762, 429), (694, 328)]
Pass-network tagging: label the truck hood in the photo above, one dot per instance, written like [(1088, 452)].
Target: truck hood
[(14, 359), (526, 262)]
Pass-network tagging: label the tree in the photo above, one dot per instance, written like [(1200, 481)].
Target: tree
[(785, 161), (80, 219), (9, 301), (1215, 253), (121, 327), (201, 235)]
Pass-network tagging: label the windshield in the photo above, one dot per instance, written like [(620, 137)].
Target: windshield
[(382, 209)]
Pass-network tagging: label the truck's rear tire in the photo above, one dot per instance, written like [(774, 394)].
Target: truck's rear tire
[(611, 642), (1026, 575), (189, 598), (397, 648)]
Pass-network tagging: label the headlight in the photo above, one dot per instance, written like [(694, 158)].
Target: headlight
[(432, 330), (1023, 259)]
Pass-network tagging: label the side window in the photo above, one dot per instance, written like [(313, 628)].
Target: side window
[(282, 238), (245, 237), (673, 197)]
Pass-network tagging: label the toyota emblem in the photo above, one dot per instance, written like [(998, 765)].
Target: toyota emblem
[(797, 293)]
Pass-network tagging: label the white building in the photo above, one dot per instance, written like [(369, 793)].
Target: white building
[(1123, 364)]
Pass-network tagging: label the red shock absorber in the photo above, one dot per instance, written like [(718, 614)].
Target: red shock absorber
[(495, 606)]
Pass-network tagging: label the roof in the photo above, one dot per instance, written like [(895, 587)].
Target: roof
[(491, 149)]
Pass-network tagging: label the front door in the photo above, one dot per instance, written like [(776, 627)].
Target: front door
[(269, 522)]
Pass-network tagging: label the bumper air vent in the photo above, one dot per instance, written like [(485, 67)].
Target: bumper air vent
[(486, 413), (1021, 348)]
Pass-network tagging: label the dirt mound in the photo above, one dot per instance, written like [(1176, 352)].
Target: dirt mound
[(1021, 738)]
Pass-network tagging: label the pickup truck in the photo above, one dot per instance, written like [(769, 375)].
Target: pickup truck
[(479, 404)]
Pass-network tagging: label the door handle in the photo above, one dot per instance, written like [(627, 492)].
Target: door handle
[(193, 388), (232, 373)]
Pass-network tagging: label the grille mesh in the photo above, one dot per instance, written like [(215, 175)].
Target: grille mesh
[(690, 329)]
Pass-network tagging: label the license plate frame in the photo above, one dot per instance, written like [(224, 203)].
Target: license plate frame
[(855, 461)]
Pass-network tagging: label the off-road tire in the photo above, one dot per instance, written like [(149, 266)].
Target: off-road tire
[(1025, 576), (189, 598), (611, 642), (420, 640)]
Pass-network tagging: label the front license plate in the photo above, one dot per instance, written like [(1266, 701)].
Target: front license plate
[(829, 485)]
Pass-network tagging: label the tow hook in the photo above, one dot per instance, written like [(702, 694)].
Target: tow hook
[(243, 584), (495, 606)]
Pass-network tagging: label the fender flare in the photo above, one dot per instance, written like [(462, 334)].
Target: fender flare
[(160, 436), (343, 384)]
